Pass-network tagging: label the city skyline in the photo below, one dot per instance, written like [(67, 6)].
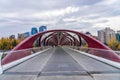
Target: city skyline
[(81, 15), (29, 32)]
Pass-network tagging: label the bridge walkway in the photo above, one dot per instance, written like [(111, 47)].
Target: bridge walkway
[(61, 64)]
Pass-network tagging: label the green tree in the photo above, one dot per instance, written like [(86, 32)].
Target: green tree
[(14, 42)]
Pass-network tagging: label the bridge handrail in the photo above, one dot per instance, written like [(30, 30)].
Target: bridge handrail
[(118, 52), (41, 48), (108, 54), (106, 61), (23, 49), (32, 51), (76, 47)]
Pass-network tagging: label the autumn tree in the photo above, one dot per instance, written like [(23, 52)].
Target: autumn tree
[(113, 44), (7, 44), (118, 47), (14, 42)]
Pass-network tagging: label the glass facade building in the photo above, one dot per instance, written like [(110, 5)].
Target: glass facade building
[(42, 28), (27, 34), (34, 31), (118, 36)]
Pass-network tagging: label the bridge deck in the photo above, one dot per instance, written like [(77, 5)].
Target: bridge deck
[(61, 64)]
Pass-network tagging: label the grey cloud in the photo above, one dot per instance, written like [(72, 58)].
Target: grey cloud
[(104, 10), (10, 29), (3, 20), (102, 21), (38, 5), (93, 17), (24, 8)]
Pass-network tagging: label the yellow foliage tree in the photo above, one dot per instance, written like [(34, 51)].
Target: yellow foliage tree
[(113, 44), (7, 44), (119, 46)]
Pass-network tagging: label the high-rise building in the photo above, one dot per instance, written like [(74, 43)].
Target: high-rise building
[(101, 36), (42, 28), (106, 35), (12, 37), (26, 34), (34, 31), (118, 36), (23, 35), (88, 33)]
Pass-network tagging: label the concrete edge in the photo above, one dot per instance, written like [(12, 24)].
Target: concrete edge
[(1, 71), (112, 63), (9, 65)]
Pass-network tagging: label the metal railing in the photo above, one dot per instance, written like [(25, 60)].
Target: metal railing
[(16, 55), (107, 54), (118, 52), (108, 57)]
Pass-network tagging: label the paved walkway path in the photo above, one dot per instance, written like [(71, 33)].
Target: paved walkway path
[(61, 64)]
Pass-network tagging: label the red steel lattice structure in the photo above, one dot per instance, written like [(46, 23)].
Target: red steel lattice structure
[(60, 37)]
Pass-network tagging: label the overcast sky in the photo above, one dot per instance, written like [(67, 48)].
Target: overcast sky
[(18, 16)]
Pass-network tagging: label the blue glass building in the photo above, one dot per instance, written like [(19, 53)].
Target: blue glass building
[(42, 28), (34, 31), (118, 37), (26, 34)]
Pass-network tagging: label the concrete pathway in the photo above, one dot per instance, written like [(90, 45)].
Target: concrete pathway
[(61, 64)]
